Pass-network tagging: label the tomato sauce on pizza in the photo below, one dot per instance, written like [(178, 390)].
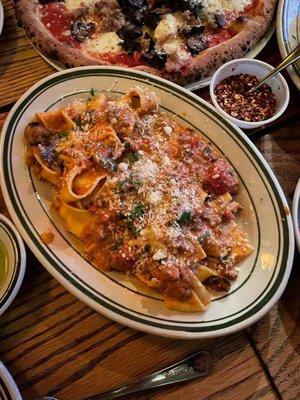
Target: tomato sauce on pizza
[(181, 40)]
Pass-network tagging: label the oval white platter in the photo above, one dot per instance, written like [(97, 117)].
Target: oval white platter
[(263, 275), (8, 387), (12, 263), (288, 33)]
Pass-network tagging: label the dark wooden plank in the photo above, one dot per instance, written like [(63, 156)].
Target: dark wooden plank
[(277, 339), (20, 65), (54, 344), (277, 335)]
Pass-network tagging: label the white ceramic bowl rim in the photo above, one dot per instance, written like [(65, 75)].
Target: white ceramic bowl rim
[(251, 124), (14, 278), (8, 385), (296, 213)]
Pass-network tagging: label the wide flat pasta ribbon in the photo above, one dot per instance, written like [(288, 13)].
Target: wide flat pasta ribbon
[(80, 183), (76, 219)]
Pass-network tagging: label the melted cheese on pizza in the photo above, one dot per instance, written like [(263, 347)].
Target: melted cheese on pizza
[(73, 5), (108, 42), (226, 5), (146, 195)]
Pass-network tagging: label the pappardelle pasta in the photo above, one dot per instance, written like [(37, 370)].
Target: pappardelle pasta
[(146, 195)]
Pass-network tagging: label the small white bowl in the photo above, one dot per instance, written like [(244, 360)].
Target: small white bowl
[(296, 214), (12, 262), (8, 387), (259, 69)]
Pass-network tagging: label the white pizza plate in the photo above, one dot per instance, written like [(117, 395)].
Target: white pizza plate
[(8, 387), (195, 85), (296, 214), (12, 263), (288, 33), (1, 17), (263, 275)]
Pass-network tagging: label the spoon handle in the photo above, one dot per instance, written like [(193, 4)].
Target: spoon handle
[(200, 364), (291, 58)]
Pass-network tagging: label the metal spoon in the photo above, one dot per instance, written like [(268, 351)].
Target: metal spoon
[(291, 58), (200, 364), (196, 366)]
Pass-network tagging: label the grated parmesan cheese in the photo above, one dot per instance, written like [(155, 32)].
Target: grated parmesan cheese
[(160, 254), (227, 5)]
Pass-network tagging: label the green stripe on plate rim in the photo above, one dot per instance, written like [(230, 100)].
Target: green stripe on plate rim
[(286, 31), (79, 285), (17, 264), (110, 74), (4, 392), (119, 305)]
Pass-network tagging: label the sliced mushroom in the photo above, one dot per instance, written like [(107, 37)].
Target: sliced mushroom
[(82, 30), (48, 153), (131, 46), (152, 19), (220, 19), (36, 133), (196, 44), (155, 59), (193, 30), (130, 32), (218, 283), (48, 1), (136, 4)]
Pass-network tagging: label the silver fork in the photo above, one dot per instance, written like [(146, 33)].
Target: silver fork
[(196, 366)]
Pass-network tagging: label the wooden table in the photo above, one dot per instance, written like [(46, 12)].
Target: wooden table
[(53, 344)]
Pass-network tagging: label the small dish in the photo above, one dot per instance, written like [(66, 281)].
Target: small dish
[(296, 214), (12, 263), (8, 387), (259, 69), (1, 17)]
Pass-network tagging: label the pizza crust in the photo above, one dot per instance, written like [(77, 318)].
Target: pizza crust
[(201, 66)]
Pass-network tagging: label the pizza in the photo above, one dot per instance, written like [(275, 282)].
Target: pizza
[(145, 195), (181, 40)]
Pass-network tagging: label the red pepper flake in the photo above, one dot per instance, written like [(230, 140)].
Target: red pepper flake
[(231, 94)]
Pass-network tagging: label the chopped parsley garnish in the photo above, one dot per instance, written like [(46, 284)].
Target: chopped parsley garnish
[(133, 229), (128, 184), (92, 92), (121, 183), (137, 182), (134, 156), (225, 257), (121, 216), (63, 134), (127, 146), (138, 210), (78, 121), (185, 218), (118, 243), (207, 150), (202, 238)]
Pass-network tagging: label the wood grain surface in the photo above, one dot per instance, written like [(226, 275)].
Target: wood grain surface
[(55, 345), (20, 65)]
